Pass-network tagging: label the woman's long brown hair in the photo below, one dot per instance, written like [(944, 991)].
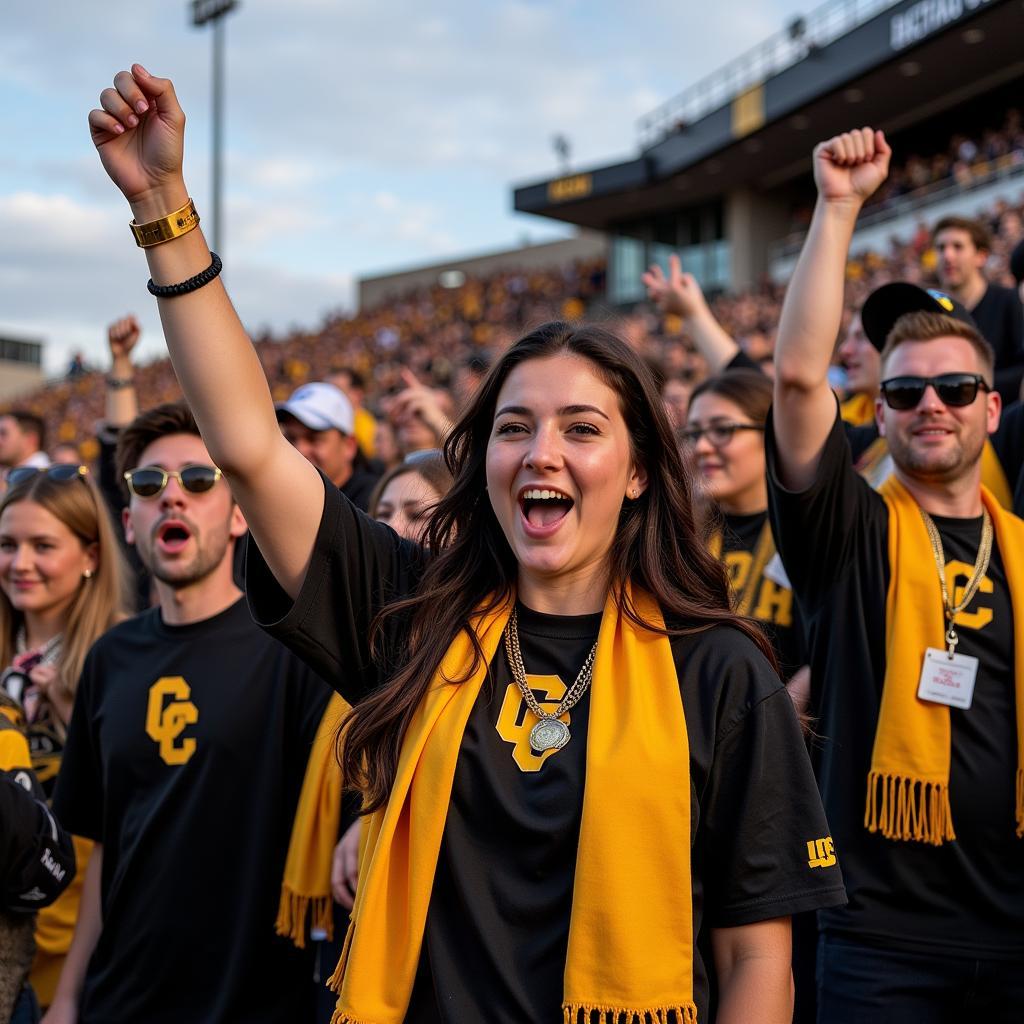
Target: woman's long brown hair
[(102, 600), (657, 547)]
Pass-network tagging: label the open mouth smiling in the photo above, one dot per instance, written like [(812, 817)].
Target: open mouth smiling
[(543, 508)]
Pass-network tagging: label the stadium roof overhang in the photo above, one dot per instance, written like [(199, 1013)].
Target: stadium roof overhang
[(908, 64)]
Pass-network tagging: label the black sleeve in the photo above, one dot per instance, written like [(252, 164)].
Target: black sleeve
[(859, 438), (111, 487), (761, 810), (741, 361), (1008, 442), (1009, 346), (357, 567), (78, 797), (37, 858), (115, 494), (819, 531)]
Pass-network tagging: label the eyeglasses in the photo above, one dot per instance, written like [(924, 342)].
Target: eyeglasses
[(954, 389), (59, 472), (150, 481), (719, 434)]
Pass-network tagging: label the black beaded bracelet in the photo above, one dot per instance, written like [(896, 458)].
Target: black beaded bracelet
[(170, 291)]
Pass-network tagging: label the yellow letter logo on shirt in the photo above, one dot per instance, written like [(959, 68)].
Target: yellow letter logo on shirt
[(169, 712), (821, 853), (957, 575), (515, 719)]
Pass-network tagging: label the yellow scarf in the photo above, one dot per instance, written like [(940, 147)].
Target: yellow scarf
[(628, 956), (858, 410), (874, 461), (908, 785), (307, 870)]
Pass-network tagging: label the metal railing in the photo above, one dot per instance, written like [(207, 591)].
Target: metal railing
[(1006, 175), (800, 38)]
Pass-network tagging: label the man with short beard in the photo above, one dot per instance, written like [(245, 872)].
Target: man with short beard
[(914, 595), (184, 761)]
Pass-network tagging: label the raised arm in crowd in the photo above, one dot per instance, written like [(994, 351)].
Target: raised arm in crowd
[(139, 134)]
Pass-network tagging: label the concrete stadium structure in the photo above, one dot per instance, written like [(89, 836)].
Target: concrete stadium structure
[(722, 166)]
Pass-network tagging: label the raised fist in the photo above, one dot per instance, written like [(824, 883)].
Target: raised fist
[(122, 336), (851, 166), (139, 134)]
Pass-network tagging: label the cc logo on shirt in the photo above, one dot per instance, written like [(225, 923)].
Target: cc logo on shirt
[(957, 575), (515, 720), (167, 715)]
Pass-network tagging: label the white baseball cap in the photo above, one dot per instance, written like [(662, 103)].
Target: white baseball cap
[(320, 406)]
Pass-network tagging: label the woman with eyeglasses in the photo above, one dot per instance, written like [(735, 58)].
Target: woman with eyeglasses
[(587, 795), (62, 585), (724, 438)]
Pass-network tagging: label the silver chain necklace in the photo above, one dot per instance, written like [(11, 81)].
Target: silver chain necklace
[(550, 733)]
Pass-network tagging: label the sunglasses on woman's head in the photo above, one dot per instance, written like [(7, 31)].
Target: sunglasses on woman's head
[(953, 389), (719, 434), (60, 472), (150, 481)]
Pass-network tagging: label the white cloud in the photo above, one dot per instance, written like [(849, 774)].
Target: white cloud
[(67, 269), (340, 117)]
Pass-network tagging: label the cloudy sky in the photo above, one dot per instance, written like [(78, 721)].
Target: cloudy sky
[(361, 137)]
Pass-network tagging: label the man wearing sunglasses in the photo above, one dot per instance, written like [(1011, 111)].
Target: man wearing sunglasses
[(184, 760), (920, 670), (1002, 461)]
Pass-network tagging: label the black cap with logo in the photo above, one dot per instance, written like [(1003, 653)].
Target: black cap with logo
[(885, 305)]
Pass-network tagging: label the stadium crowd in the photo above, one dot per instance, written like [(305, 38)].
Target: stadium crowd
[(736, 501)]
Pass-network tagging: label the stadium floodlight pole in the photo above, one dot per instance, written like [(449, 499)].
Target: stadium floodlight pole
[(204, 11)]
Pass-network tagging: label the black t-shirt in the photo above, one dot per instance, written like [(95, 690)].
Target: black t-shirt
[(965, 896), (771, 601), (359, 486), (1000, 319), (185, 757), (497, 927)]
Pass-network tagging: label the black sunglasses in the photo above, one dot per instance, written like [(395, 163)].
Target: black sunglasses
[(59, 472), (150, 481), (954, 389), (719, 434)]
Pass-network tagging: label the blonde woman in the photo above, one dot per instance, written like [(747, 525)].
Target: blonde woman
[(63, 583)]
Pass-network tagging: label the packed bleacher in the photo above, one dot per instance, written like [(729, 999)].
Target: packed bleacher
[(299, 745)]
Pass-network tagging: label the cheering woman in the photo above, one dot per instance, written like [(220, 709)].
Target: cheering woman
[(62, 585), (587, 795)]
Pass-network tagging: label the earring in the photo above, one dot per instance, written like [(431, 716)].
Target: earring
[(87, 575), (634, 494)]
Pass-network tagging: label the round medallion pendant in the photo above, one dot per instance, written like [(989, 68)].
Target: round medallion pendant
[(549, 734)]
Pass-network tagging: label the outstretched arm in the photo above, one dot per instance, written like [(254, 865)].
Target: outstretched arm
[(139, 134), (847, 170), (680, 294)]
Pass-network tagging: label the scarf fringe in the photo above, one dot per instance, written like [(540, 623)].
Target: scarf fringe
[(335, 980), (293, 910), (901, 807), (583, 1013), (1020, 803), (341, 1017)]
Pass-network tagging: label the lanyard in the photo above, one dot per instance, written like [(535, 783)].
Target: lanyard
[(980, 568)]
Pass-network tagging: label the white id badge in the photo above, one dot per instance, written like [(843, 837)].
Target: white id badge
[(946, 680)]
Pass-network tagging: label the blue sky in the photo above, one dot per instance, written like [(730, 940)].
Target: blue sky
[(361, 137)]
